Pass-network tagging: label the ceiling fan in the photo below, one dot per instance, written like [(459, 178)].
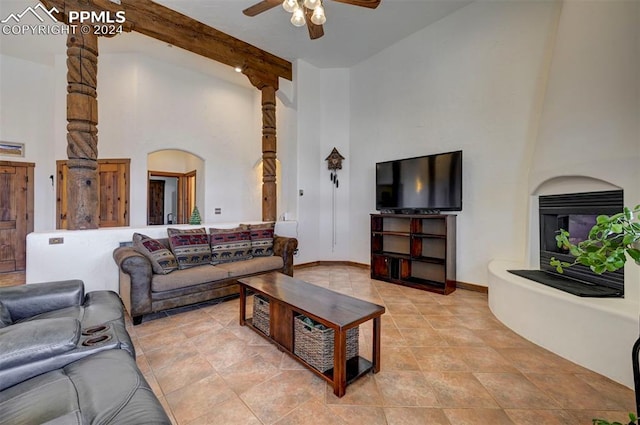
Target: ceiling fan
[(310, 12)]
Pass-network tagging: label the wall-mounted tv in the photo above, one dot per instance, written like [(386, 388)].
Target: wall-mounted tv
[(428, 183)]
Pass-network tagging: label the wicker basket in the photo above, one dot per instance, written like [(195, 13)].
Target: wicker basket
[(315, 346), (261, 314)]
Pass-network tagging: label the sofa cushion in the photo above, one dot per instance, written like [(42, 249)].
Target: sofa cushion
[(228, 245), (190, 246), (162, 259), (262, 239), (104, 388), (188, 277), (29, 342), (254, 265)]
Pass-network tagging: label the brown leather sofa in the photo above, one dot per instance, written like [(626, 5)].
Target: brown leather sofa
[(145, 292)]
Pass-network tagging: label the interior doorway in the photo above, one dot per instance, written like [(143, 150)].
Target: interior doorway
[(182, 174), (171, 197)]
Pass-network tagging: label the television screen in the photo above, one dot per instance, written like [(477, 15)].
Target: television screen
[(432, 182)]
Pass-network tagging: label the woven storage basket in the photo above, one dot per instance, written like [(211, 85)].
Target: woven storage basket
[(261, 314), (315, 346)]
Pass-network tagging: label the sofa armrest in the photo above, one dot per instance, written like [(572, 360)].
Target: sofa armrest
[(30, 300), (285, 248), (29, 345), (135, 281)]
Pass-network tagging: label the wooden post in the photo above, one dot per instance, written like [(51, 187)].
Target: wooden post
[(268, 85), (82, 136)]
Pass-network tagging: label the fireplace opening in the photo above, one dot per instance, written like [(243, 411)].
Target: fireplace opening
[(576, 213)]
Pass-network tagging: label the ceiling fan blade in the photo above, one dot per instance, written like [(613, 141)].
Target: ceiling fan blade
[(371, 4), (260, 7), (315, 31)]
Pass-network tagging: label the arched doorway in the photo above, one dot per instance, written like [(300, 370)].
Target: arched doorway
[(174, 186)]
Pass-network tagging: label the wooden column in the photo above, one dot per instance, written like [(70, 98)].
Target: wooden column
[(82, 131), (268, 85)]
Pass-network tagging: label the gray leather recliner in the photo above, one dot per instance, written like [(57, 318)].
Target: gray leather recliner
[(48, 325), (66, 357)]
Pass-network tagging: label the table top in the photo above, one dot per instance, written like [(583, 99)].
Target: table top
[(339, 309)]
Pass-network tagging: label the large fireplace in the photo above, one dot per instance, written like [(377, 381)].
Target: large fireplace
[(576, 213)]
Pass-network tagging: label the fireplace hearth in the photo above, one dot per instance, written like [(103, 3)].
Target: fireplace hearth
[(576, 213)]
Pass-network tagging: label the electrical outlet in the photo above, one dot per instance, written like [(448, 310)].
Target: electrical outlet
[(56, 241), (217, 211)]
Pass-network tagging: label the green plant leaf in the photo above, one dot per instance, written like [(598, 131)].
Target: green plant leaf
[(634, 254)]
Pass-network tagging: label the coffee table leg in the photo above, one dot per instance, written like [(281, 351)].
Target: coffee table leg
[(243, 305), (377, 322), (340, 363)]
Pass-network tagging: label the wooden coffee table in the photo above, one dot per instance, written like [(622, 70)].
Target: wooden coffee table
[(288, 297)]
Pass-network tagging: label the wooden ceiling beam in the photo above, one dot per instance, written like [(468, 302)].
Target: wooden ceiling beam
[(162, 23)]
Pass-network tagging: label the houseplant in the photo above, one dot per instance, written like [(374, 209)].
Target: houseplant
[(606, 248), (609, 242)]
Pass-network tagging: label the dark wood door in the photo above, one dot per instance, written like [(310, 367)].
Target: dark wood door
[(156, 202), (16, 213)]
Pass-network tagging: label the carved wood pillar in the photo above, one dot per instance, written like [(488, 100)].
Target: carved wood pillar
[(82, 131), (268, 85)]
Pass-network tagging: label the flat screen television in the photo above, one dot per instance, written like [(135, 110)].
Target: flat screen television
[(425, 184)]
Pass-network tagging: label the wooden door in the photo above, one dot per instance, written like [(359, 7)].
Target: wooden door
[(114, 192), (189, 194), (16, 213), (156, 202), (113, 180)]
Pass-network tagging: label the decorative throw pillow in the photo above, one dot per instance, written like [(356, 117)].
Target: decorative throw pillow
[(229, 245), (190, 246), (162, 259), (262, 239)]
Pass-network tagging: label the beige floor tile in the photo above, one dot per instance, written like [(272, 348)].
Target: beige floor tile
[(422, 337), (312, 412), (538, 417), (439, 359), (198, 399), (358, 415), (515, 391), (485, 359), (247, 373), (572, 392), (399, 388), (182, 373), (459, 390), (275, 398), (415, 416), (166, 356), (363, 392), (477, 416), (162, 339), (398, 358), (230, 412)]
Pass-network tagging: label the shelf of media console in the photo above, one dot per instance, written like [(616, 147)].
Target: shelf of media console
[(401, 256)]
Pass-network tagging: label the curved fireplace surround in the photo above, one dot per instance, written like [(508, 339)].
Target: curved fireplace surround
[(576, 213), (597, 333)]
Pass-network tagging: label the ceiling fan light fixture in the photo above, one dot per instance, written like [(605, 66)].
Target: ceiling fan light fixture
[(312, 4), (290, 5), (318, 16), (297, 19)]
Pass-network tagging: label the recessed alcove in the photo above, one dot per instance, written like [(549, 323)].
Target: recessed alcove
[(596, 333)]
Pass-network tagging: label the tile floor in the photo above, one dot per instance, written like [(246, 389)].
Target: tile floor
[(445, 360)]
